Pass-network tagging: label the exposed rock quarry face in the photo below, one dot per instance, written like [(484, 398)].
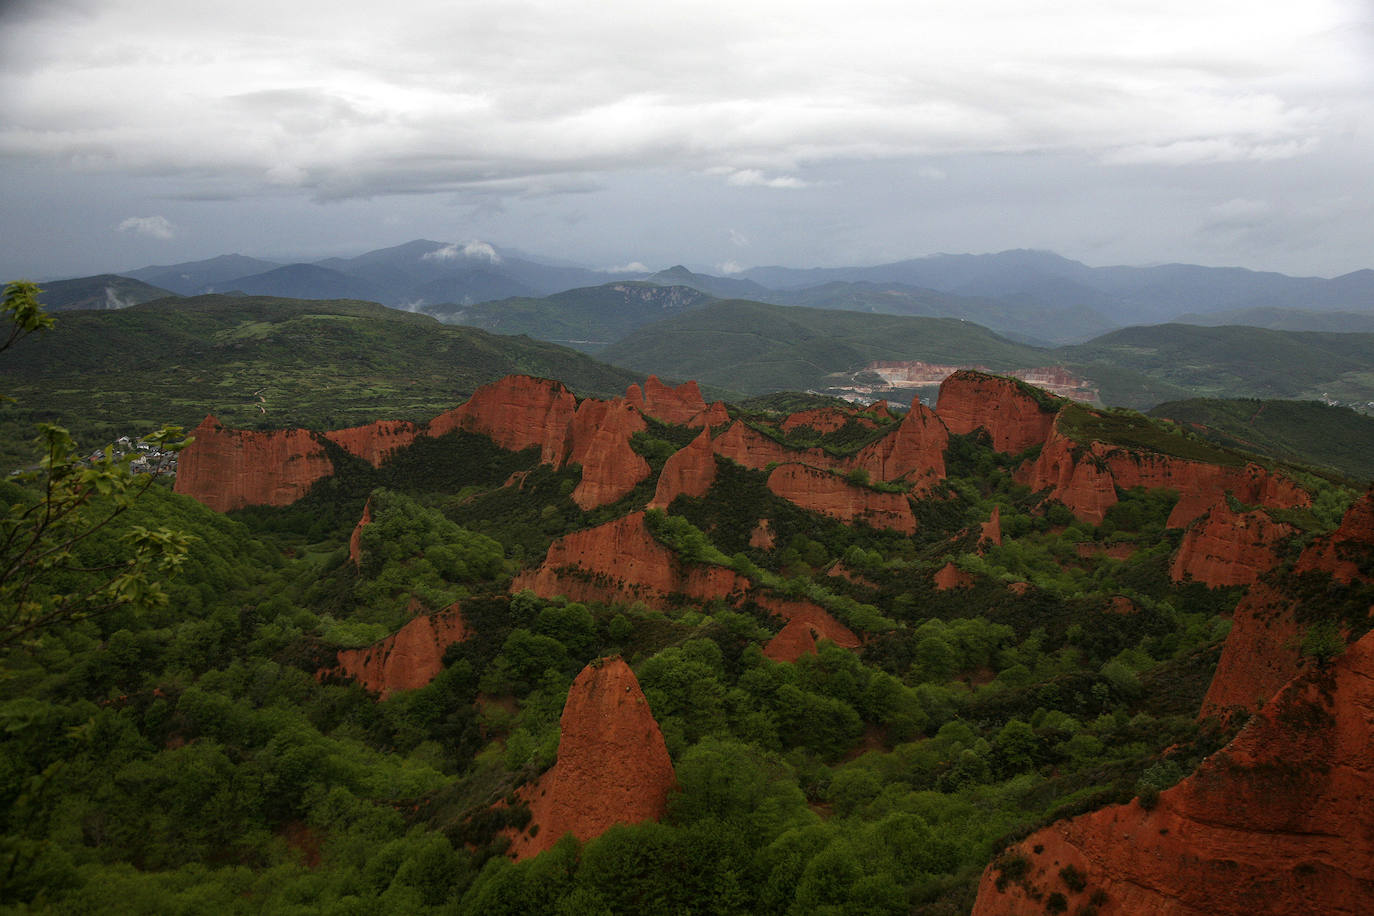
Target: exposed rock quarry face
[(1229, 548), (601, 432), (1275, 822), (678, 406), (1085, 478), (621, 561), (355, 540), (229, 468), (517, 412), (824, 420), (1262, 651), (613, 766), (829, 494), (914, 452), (375, 442), (1014, 419), (689, 471), (409, 658), (951, 576)]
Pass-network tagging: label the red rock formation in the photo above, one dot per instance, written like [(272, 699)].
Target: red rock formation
[(621, 561), (689, 471), (612, 768), (951, 576), (915, 451), (1229, 548), (829, 494), (880, 410), (1013, 417), (1262, 651), (355, 540), (991, 531), (601, 432), (407, 659), (375, 442), (713, 417), (230, 468), (517, 412), (824, 420), (1275, 822), (754, 450), (806, 623), (1085, 478), (762, 536), (678, 405)]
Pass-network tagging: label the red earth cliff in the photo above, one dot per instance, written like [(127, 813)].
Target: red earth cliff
[(612, 768), (229, 468), (915, 451), (991, 531), (1275, 822), (1229, 548), (689, 471), (621, 561), (1263, 650), (601, 432), (829, 494), (407, 659), (806, 623), (1013, 417), (355, 540), (679, 406), (950, 577), (375, 442), (517, 412), (754, 450), (825, 420)]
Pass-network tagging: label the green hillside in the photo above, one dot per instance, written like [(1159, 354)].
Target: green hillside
[(261, 362), (105, 291), (1305, 432), (754, 348), (586, 319), (1236, 361)]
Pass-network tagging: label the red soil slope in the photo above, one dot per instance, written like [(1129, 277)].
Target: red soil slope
[(612, 768)]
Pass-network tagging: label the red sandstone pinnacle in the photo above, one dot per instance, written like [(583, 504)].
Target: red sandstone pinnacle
[(689, 471), (375, 442), (613, 766), (355, 540), (678, 406), (1229, 548), (409, 658), (1014, 419), (806, 623), (991, 531), (715, 416), (951, 577), (915, 451), (601, 432), (229, 468), (517, 412), (826, 493), (1275, 822)]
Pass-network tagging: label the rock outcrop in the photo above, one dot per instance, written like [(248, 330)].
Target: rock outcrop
[(1085, 477), (754, 450), (689, 471), (355, 540), (991, 530), (407, 659), (601, 432), (232, 468), (1275, 822), (951, 577), (832, 495), (517, 412), (621, 561), (1225, 547), (612, 767), (1014, 418), (825, 420), (806, 623), (914, 452), (679, 406), (375, 442)]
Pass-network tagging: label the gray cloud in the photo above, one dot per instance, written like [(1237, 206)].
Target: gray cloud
[(157, 227)]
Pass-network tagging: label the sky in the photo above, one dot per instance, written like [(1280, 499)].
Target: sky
[(718, 135)]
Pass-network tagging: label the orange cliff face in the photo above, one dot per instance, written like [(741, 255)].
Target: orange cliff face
[(375, 442), (754, 450), (612, 768), (1086, 477), (517, 412), (355, 540), (1014, 419), (806, 623), (621, 561), (1229, 548), (1263, 650), (689, 471), (1275, 822), (409, 658), (229, 468), (601, 432), (826, 419), (914, 451), (824, 492), (679, 406)]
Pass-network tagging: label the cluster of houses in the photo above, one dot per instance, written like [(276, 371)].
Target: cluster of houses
[(148, 458)]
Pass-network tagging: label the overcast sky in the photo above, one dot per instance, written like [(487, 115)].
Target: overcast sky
[(721, 135)]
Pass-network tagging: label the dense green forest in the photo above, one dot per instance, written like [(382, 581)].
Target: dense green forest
[(179, 750)]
